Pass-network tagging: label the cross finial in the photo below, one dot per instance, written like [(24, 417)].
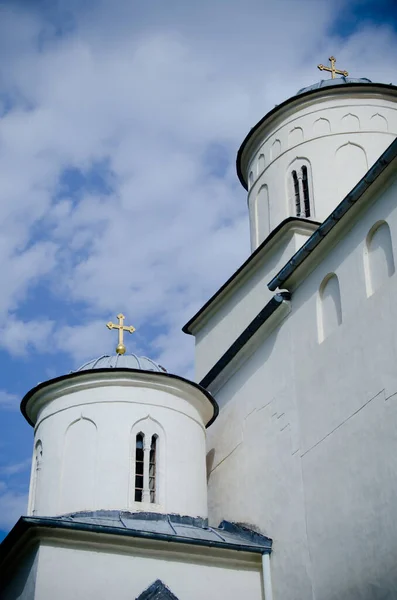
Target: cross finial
[(332, 69), (120, 348)]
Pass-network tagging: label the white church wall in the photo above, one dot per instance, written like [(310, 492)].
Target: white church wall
[(22, 581), (345, 392), (330, 130), (231, 315), (305, 443), (89, 458), (125, 569), (253, 459)]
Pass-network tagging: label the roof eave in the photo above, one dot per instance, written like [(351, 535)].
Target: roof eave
[(30, 525), (291, 223), (115, 371)]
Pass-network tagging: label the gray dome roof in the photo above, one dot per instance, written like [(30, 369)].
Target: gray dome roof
[(331, 82), (122, 361)]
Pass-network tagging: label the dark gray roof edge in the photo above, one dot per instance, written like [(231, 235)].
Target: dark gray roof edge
[(343, 207), (298, 98), (25, 524), (40, 386), (266, 312), (284, 224)]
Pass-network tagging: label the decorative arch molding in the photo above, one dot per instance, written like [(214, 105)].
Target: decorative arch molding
[(36, 479), (379, 122), (79, 466), (379, 262), (261, 163), (275, 150), (321, 126), (250, 179), (350, 122), (147, 464), (355, 157), (329, 306), (300, 188), (261, 214), (295, 136)]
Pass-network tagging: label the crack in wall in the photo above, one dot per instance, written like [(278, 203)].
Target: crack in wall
[(343, 422), (225, 457)]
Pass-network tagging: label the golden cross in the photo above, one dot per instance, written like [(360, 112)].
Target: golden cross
[(332, 69), (120, 348)]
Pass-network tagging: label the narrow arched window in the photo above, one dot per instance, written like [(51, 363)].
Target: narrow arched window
[(250, 179), (305, 188), (300, 188), (153, 468), (297, 193), (139, 467)]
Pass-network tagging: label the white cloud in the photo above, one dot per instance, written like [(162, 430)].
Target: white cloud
[(19, 337), (147, 92)]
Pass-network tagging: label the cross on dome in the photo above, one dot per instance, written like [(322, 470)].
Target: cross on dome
[(120, 348), (332, 69)]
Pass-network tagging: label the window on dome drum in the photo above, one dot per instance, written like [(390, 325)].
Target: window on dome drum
[(146, 448), (152, 469), (139, 467), (305, 186), (301, 192), (297, 194)]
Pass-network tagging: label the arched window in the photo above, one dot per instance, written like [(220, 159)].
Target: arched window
[(299, 181), (152, 468), (379, 258), (146, 468), (297, 193), (250, 179), (261, 163), (305, 188), (139, 467)]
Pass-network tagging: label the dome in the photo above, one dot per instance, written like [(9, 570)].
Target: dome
[(122, 361), (331, 82)]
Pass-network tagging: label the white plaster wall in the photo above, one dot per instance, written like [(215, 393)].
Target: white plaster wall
[(305, 446), (100, 573), (233, 314), (93, 468), (22, 582), (255, 470), (336, 129)]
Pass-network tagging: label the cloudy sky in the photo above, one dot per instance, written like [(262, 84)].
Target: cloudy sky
[(119, 125)]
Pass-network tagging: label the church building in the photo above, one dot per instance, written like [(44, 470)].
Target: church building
[(273, 476)]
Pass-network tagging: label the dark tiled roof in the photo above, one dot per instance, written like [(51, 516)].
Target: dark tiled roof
[(171, 527), (157, 591)]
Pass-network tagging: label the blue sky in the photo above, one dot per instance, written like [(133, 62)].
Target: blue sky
[(119, 126)]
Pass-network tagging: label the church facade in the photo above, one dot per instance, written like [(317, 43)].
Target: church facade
[(274, 476)]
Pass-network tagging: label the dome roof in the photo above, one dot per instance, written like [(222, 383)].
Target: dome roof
[(332, 82), (122, 361)]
